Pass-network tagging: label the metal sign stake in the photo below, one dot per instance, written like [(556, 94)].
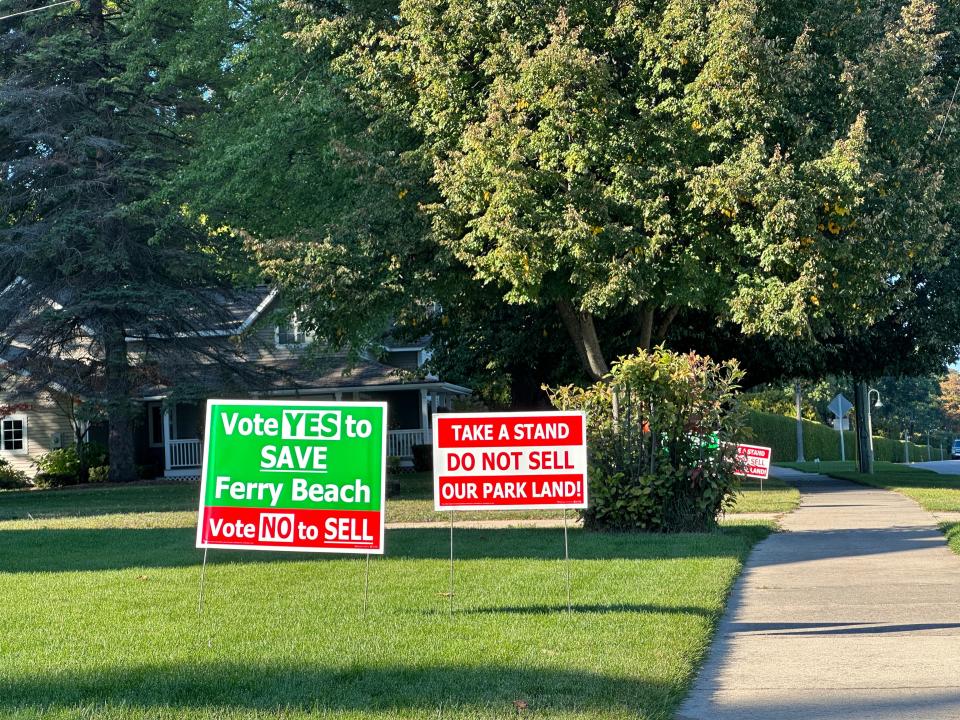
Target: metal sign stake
[(203, 572), (366, 584), (451, 562), (566, 556)]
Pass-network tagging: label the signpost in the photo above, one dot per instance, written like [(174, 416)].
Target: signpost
[(510, 461), (293, 475), (755, 461), (840, 406)]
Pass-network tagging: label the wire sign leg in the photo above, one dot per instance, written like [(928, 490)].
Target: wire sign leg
[(451, 562), (203, 572), (566, 557), (366, 584)]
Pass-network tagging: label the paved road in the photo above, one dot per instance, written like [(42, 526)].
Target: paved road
[(944, 467), (852, 614)]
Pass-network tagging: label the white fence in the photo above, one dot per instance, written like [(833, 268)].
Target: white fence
[(184, 454), (187, 453), (400, 442)]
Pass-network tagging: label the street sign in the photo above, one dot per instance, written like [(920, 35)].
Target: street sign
[(755, 461), (840, 406), (294, 475), (509, 461)]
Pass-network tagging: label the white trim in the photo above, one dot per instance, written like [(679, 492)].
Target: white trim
[(424, 410), (166, 440), (24, 440)]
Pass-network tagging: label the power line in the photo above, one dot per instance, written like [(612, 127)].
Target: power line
[(45, 7)]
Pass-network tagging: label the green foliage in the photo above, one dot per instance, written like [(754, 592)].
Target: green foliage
[(422, 458), (99, 473), (393, 465), (94, 96), (653, 464), (819, 441), (66, 465), (10, 477), (47, 480), (63, 462), (93, 454)]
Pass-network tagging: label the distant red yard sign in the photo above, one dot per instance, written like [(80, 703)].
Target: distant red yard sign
[(509, 461), (755, 460)]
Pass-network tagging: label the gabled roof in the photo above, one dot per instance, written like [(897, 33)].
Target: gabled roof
[(328, 373), (238, 310)]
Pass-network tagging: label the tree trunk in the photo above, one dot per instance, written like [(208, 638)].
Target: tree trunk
[(583, 333), (646, 329), (668, 319), (117, 397)]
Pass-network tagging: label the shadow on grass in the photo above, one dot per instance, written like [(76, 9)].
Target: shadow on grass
[(87, 500), (475, 691), (581, 609), (58, 550)]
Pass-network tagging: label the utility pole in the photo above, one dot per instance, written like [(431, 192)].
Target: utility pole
[(864, 450), (798, 397)]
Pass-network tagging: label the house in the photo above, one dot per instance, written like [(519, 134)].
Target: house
[(31, 429), (277, 360)]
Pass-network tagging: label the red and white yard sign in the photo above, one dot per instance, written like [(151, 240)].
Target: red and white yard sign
[(755, 460), (509, 461)]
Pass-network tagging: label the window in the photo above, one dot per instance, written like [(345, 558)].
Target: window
[(13, 434), (291, 334)]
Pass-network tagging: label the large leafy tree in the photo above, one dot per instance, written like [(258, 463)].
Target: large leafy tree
[(780, 166), (725, 167), (90, 254)]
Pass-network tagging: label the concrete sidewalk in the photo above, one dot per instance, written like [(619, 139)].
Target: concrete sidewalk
[(852, 613)]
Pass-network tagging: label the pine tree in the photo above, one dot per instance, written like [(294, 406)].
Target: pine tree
[(90, 253)]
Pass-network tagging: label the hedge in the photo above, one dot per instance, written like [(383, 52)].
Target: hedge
[(819, 441)]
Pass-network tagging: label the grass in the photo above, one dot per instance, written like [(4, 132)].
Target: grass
[(410, 500), (102, 622), (935, 492), (777, 496)]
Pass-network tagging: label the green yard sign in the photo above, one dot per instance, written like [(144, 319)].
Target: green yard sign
[(294, 475)]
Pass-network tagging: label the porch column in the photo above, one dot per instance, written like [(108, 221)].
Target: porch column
[(166, 440), (424, 414)]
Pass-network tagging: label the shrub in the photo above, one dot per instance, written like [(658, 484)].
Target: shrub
[(664, 459), (62, 462), (393, 465), (10, 477), (149, 471), (99, 474), (95, 454), (819, 441), (54, 480), (422, 457)]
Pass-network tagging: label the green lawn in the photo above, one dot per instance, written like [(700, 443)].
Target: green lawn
[(934, 492), (777, 496), (410, 500), (101, 620)]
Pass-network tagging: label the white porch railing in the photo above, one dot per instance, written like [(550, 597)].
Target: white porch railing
[(400, 442), (184, 454)]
